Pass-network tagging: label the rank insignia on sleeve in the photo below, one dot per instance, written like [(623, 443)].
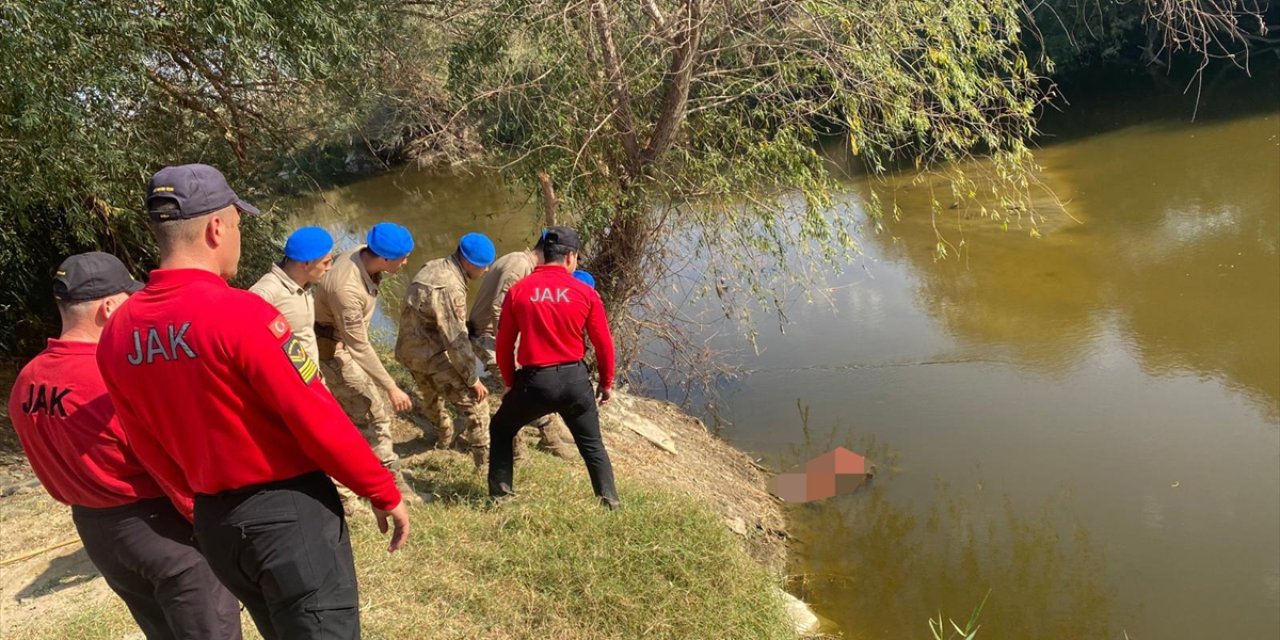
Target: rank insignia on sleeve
[(307, 368)]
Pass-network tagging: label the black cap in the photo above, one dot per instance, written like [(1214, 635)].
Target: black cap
[(197, 189), (92, 276), (562, 236)]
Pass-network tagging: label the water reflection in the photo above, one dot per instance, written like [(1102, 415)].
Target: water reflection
[(883, 565), (1084, 424), (1181, 255)]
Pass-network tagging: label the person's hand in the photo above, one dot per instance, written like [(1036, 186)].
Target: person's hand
[(480, 390), (604, 395), (400, 519), (400, 400)]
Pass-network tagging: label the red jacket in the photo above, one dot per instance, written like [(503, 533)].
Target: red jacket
[(549, 309), (215, 393), (64, 419)]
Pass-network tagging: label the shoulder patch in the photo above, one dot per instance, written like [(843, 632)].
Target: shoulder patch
[(306, 367), (279, 326)]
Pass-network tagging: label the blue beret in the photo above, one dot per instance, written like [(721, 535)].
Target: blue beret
[(477, 248), (390, 240), (585, 277), (307, 244)]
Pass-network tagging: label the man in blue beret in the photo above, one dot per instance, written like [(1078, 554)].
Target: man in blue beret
[(433, 343), (585, 277), (308, 254), (345, 301)]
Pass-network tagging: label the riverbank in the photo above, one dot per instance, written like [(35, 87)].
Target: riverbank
[(696, 552)]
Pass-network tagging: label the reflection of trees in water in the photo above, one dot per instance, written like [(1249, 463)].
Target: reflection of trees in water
[(1178, 246), (879, 569)]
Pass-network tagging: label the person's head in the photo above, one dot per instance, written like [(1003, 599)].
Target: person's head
[(389, 246), (88, 288), (475, 253), (585, 277), (538, 258), (560, 245), (308, 252), (195, 217)]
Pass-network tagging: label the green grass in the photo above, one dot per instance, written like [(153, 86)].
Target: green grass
[(547, 564)]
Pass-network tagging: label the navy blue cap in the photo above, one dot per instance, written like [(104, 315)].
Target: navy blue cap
[(307, 244), (92, 276), (585, 277), (196, 189), (478, 249), (390, 240), (563, 236)]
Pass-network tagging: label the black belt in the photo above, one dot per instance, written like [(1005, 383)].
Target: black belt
[(146, 504), (563, 365), (296, 482)]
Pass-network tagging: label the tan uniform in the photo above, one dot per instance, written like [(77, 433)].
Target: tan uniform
[(433, 344), (345, 300), (294, 302), (486, 311), (487, 307)]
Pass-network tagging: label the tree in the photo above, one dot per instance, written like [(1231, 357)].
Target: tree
[(95, 96), (679, 128)]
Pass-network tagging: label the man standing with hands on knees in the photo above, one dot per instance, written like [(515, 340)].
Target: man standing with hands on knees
[(135, 536), (433, 343), (219, 399), (548, 311)]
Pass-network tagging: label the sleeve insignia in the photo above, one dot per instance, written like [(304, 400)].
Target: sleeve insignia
[(306, 367), (279, 326)]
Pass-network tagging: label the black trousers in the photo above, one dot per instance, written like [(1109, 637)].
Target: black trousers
[(564, 389), (145, 553), (283, 548)]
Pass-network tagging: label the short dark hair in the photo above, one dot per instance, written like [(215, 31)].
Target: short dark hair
[(176, 231), (555, 253)]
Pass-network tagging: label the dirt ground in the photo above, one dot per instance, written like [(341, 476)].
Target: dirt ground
[(44, 570)]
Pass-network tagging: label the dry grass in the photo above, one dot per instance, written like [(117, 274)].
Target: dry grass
[(548, 564)]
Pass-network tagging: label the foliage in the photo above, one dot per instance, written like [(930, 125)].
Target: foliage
[(1074, 35), (95, 96), (968, 632), (684, 132), (550, 564)]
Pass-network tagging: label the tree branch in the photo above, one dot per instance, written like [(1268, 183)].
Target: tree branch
[(618, 90), (675, 102)]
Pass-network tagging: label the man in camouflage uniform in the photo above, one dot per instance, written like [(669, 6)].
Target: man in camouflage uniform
[(482, 325), (345, 300), (434, 346)]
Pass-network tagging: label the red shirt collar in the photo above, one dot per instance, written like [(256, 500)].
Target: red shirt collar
[(71, 347), (543, 268), (167, 278)]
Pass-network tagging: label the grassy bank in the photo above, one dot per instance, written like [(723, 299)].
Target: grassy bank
[(549, 564)]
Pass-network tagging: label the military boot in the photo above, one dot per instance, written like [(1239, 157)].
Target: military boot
[(556, 439), (407, 492), (480, 455), (444, 436), (519, 448)]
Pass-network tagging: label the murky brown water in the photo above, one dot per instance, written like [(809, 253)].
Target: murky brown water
[(1085, 425)]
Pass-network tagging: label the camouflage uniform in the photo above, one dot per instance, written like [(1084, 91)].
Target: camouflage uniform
[(482, 324), (433, 345), (344, 303)]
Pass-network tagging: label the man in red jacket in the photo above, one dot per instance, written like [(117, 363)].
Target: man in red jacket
[(131, 531), (219, 399), (548, 311)]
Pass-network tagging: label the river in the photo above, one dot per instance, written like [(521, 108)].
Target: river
[(1083, 428)]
